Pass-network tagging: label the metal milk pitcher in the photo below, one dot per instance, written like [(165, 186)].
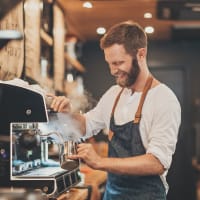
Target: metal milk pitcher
[(68, 148)]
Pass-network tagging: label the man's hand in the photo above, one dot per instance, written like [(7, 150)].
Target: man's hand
[(60, 104), (86, 152)]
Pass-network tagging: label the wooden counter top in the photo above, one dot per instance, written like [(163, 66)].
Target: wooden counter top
[(94, 178), (74, 194)]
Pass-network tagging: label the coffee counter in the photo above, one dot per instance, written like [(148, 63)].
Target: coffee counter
[(94, 178), (23, 193), (74, 194)]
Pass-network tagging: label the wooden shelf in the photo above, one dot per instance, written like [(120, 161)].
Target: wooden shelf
[(46, 37), (75, 63)]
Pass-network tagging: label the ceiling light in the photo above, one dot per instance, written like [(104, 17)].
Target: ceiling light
[(147, 15), (149, 29), (101, 30), (87, 4)]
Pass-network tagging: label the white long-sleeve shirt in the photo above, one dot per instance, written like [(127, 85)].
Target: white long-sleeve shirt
[(159, 125)]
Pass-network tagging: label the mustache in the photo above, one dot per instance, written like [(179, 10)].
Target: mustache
[(120, 72), (134, 70)]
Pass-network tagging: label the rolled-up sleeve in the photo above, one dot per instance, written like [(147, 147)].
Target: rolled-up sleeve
[(164, 132), (94, 122)]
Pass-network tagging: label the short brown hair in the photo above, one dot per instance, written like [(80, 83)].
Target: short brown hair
[(128, 33)]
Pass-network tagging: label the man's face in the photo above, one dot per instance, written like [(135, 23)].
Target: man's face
[(123, 67), (129, 78)]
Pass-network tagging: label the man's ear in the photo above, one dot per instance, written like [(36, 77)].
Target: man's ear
[(142, 52)]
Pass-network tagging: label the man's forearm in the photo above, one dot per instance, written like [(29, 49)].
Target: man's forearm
[(139, 165)]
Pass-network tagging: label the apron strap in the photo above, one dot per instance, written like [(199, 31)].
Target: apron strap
[(139, 110), (116, 101), (110, 134), (144, 93)]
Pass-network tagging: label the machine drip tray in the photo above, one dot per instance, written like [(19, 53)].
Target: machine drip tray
[(43, 172), (50, 180)]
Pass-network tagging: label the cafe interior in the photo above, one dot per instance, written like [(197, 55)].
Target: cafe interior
[(52, 46)]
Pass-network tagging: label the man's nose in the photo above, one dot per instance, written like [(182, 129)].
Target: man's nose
[(114, 70)]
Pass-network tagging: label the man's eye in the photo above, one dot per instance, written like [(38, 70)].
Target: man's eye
[(118, 63)]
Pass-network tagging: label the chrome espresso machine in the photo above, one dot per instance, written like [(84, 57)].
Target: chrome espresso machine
[(26, 133)]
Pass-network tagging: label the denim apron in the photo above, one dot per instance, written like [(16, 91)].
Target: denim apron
[(125, 141)]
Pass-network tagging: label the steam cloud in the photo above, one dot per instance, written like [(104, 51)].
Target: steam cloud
[(63, 124)]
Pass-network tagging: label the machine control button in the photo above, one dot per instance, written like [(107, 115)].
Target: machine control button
[(28, 112), (45, 189)]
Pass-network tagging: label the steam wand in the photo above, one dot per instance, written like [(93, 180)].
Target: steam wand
[(44, 149)]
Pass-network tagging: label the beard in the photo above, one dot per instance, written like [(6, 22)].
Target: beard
[(128, 78)]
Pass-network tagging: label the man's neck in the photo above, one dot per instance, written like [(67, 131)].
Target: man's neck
[(138, 86)]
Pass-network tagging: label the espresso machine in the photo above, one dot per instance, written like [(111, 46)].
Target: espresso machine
[(27, 130)]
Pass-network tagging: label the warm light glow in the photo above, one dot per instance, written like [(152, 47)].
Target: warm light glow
[(147, 15), (87, 4), (44, 65), (196, 9), (101, 30), (41, 5), (70, 78), (31, 5), (149, 29)]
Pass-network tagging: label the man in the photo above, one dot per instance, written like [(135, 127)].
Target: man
[(142, 114)]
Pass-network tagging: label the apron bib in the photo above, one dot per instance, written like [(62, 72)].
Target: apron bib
[(125, 141)]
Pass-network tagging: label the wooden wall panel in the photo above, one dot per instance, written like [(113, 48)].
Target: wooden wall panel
[(59, 36), (32, 13), (12, 51)]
